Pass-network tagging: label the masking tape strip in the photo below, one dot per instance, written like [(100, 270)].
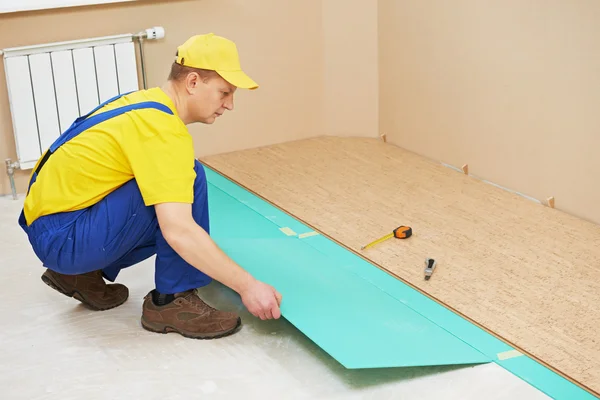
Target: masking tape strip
[(287, 231), (505, 355), (308, 234)]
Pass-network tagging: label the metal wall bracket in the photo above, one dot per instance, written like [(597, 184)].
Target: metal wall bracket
[(10, 170)]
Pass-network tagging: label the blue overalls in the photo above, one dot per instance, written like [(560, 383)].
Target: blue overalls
[(119, 230)]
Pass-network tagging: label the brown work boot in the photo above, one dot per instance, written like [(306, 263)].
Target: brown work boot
[(89, 288), (189, 316)]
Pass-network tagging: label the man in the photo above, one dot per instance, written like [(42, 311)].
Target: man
[(122, 184)]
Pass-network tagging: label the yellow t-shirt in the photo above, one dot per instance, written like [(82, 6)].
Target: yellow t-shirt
[(148, 144)]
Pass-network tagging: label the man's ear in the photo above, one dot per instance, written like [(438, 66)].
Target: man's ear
[(192, 81)]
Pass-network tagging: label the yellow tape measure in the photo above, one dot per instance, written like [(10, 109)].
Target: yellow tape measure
[(401, 232)]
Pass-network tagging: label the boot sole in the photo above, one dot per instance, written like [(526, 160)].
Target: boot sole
[(76, 295), (164, 329)]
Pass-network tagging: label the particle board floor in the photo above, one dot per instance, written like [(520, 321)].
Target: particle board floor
[(54, 348), (528, 273)]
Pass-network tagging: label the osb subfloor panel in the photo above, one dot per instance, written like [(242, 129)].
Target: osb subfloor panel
[(528, 273)]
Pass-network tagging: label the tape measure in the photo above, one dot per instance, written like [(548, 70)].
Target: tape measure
[(401, 232)]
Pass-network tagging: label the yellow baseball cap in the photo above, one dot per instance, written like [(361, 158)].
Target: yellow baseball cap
[(215, 53)]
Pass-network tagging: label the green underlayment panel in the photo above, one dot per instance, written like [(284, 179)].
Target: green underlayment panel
[(354, 321), (360, 315)]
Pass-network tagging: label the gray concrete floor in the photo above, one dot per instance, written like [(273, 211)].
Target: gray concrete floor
[(52, 347)]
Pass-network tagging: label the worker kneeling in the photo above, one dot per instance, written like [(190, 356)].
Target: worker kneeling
[(122, 184)]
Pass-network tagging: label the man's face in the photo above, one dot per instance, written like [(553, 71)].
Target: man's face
[(209, 97)]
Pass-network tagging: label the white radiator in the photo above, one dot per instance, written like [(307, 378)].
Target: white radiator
[(50, 85)]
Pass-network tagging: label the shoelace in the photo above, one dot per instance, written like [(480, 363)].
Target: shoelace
[(197, 302)]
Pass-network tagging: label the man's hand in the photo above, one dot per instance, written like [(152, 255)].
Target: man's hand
[(196, 247), (261, 300)]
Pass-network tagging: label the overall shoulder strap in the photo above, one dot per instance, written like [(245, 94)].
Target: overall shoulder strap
[(87, 123), (99, 106)]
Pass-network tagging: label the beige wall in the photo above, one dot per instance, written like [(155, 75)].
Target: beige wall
[(351, 73), (280, 44), (501, 86)]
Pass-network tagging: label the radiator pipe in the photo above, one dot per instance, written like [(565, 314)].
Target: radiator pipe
[(10, 170), (157, 32), (142, 62)]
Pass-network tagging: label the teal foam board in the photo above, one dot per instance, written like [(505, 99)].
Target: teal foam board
[(524, 367), (354, 321), (231, 213), (440, 315), (544, 379), (254, 202)]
